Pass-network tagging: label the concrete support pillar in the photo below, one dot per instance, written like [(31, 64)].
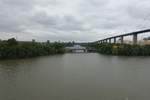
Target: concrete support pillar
[(121, 39), (110, 40), (100, 42), (134, 38), (106, 41), (103, 41), (114, 39)]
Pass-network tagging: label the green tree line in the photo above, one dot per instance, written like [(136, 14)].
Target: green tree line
[(122, 49), (11, 49)]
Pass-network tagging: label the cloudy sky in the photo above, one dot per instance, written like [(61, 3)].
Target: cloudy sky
[(71, 20)]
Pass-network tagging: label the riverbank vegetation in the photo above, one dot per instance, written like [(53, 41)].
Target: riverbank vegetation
[(122, 49), (12, 49)]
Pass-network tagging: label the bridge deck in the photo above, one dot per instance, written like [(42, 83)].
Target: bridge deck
[(127, 34)]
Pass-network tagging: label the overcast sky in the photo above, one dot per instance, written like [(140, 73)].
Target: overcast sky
[(71, 20)]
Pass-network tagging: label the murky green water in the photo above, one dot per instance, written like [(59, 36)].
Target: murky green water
[(88, 76)]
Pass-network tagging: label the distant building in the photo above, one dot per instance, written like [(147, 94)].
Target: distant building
[(146, 41), (148, 38)]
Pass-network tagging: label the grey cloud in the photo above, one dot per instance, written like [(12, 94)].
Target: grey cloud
[(18, 4), (80, 20), (60, 23), (13, 15), (43, 19)]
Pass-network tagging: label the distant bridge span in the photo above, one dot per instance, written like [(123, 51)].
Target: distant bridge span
[(135, 34)]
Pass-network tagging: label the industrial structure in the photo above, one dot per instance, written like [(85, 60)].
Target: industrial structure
[(134, 34)]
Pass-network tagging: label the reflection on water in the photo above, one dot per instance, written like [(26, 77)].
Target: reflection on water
[(88, 76)]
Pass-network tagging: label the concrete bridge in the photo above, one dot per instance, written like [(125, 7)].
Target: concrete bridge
[(76, 49), (134, 34)]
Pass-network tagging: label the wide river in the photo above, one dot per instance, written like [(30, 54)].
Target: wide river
[(84, 76)]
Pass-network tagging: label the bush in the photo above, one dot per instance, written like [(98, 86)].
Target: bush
[(11, 49), (123, 49)]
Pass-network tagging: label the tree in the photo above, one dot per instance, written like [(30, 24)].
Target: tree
[(12, 42), (48, 42)]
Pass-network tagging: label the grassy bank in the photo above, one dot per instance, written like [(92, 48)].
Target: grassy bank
[(122, 49), (12, 49)]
